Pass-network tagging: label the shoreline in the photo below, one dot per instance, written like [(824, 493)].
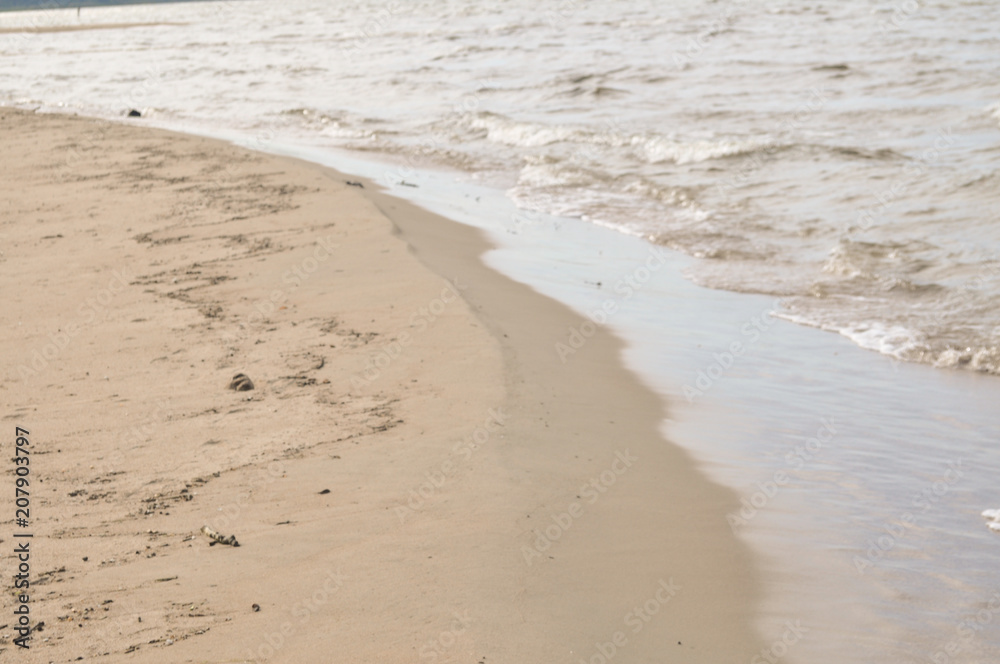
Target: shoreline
[(502, 384), (537, 375)]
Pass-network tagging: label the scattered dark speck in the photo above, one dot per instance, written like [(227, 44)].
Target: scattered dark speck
[(324, 492)]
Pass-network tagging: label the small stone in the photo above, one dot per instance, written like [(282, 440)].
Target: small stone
[(255, 607)]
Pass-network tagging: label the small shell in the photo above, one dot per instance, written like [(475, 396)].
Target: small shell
[(241, 383)]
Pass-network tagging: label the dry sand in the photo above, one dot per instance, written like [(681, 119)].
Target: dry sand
[(487, 503)]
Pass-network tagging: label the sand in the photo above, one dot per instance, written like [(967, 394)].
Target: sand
[(416, 475)]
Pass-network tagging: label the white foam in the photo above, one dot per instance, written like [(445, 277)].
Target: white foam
[(553, 175), (659, 149), (524, 134), (650, 147), (993, 516), (995, 111), (893, 340)]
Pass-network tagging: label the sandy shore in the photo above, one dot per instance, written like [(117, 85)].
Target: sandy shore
[(417, 475)]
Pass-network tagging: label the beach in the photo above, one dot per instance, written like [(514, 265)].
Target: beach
[(726, 391), (417, 473)]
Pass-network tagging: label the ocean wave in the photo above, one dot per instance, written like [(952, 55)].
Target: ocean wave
[(548, 174), (670, 195), (658, 149), (983, 358), (500, 129), (313, 115), (939, 340), (339, 125), (875, 261), (893, 340), (649, 148)]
